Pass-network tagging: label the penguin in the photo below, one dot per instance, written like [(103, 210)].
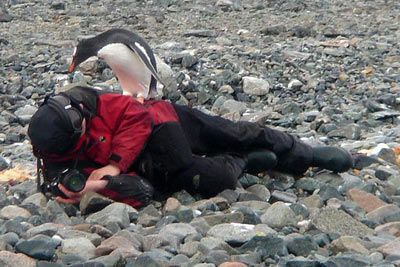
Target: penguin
[(129, 56)]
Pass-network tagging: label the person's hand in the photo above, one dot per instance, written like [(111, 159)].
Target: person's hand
[(75, 197), (110, 169)]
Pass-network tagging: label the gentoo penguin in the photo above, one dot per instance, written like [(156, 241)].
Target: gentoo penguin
[(129, 56)]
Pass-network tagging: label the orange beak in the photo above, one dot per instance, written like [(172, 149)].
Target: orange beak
[(72, 67)]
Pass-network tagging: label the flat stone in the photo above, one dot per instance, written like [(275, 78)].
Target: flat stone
[(223, 218), (279, 215), (349, 244), (235, 233), (79, 246), (48, 229), (178, 230), (70, 233), (365, 200), (330, 220), (232, 264), (116, 212), (41, 249), (392, 248), (392, 228), (113, 243), (13, 211), (256, 205), (9, 259), (259, 190), (384, 214), (269, 245)]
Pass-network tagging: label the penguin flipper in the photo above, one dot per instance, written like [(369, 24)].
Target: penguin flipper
[(146, 62)]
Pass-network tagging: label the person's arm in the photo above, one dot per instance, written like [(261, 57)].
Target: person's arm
[(132, 126)]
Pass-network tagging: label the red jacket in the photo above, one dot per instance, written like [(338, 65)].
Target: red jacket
[(118, 130)]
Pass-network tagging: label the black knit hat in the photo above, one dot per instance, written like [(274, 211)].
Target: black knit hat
[(57, 125)]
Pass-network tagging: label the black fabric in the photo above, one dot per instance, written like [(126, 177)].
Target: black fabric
[(208, 135), (332, 158), (129, 186), (209, 175), (48, 132)]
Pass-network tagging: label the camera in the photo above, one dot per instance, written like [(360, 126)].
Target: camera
[(71, 179)]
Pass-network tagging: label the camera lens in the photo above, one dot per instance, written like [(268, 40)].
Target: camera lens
[(74, 181)]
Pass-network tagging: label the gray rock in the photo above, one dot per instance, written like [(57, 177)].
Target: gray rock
[(268, 246), (260, 190), (352, 131), (116, 212), (178, 230), (233, 233), (41, 249), (279, 215), (255, 86), (335, 221), (301, 245), (79, 246)]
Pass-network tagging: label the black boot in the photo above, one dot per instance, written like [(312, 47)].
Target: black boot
[(332, 158), (260, 161)]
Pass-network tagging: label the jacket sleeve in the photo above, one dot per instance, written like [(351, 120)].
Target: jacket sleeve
[(131, 125)]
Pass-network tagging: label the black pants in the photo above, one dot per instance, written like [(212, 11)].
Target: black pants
[(209, 151)]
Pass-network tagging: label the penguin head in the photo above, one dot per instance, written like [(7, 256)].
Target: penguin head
[(85, 49)]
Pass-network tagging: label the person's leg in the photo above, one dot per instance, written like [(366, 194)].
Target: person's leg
[(208, 175), (213, 134)]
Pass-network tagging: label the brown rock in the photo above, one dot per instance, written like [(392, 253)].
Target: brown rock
[(171, 205), (232, 264), (349, 244), (113, 243), (365, 200), (13, 211), (9, 259), (379, 214), (391, 248), (392, 228)]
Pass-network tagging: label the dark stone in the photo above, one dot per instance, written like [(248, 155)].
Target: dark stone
[(361, 161), (382, 174), (328, 192), (388, 155), (274, 30), (350, 260), (250, 217), (321, 239), (283, 196), (301, 245), (188, 61), (248, 180), (230, 195), (3, 164), (58, 5), (217, 257), (40, 249), (184, 197), (301, 262), (300, 210), (200, 33), (166, 220), (267, 246), (308, 184)]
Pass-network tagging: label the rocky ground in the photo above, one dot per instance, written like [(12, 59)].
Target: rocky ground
[(325, 70)]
